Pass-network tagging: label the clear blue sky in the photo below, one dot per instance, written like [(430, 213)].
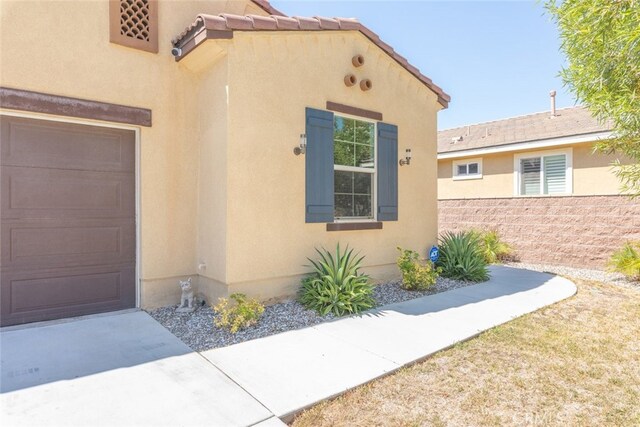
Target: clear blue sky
[(495, 59)]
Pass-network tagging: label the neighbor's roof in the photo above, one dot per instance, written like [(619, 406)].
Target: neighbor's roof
[(533, 127), (222, 27)]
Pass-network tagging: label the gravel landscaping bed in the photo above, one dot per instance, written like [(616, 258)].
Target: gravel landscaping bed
[(579, 273), (198, 331)]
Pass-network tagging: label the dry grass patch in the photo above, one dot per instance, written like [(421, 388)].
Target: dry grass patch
[(572, 364)]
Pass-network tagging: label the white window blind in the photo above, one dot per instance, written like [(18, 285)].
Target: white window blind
[(530, 180), (555, 174)]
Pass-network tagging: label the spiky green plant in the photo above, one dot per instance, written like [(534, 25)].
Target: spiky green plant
[(493, 248), (461, 257), (336, 285), (626, 260)]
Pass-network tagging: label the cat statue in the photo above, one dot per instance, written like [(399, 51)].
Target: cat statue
[(187, 300)]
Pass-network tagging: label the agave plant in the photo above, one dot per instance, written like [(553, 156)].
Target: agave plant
[(336, 286), (461, 257)]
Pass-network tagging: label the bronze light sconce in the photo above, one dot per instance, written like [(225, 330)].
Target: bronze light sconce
[(302, 148), (407, 158)]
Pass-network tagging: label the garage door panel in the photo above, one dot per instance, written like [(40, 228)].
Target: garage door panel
[(67, 225), (65, 146), (46, 244), (32, 296), (47, 193)]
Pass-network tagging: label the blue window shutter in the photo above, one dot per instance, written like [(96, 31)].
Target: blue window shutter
[(319, 166), (387, 172)]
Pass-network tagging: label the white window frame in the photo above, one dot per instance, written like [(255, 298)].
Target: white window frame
[(517, 173), (373, 171), (467, 162)]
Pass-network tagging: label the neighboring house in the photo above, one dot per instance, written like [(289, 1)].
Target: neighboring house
[(136, 152), (536, 179)]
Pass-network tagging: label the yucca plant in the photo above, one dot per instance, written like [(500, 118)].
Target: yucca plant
[(493, 248), (336, 286), (461, 257), (626, 260)]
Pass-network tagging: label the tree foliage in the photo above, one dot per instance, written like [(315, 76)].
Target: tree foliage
[(601, 39)]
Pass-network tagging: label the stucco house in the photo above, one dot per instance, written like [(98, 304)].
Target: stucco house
[(145, 141), (536, 180)]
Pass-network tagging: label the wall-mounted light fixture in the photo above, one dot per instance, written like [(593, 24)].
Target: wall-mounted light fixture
[(302, 148), (407, 158)]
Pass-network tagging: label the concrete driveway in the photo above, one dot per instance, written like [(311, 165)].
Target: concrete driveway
[(119, 369), (126, 369)]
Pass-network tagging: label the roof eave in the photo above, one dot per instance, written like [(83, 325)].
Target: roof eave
[(205, 28), (526, 145)]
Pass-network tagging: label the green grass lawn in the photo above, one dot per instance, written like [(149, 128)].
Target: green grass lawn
[(576, 363)]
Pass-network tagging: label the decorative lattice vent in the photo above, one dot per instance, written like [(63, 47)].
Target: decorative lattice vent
[(134, 19), (134, 23)]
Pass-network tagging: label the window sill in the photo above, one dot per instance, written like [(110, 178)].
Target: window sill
[(466, 177), (544, 195), (351, 226)]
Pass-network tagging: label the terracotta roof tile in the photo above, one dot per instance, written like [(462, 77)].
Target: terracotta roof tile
[(264, 22), (532, 127), (308, 24), (227, 23), (328, 23), (238, 22), (286, 23)]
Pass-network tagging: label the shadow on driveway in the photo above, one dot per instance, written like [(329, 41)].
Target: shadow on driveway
[(64, 351)]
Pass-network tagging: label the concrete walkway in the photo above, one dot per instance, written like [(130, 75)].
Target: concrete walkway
[(149, 378)]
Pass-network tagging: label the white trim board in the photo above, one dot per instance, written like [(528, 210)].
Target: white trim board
[(529, 145)]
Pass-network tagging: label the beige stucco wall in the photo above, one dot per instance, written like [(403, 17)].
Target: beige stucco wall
[(63, 48), (592, 175), (221, 193), (268, 239)]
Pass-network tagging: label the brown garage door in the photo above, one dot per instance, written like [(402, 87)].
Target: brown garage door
[(68, 220)]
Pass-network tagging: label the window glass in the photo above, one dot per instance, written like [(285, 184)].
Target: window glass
[(462, 169), (530, 173), (473, 168), (353, 148), (543, 175), (555, 174), (353, 194)]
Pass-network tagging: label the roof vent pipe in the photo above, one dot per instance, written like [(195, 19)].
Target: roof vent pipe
[(552, 94)]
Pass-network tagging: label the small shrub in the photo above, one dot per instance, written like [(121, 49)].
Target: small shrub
[(336, 286), (416, 275), (493, 248), (461, 257), (243, 313), (626, 260)]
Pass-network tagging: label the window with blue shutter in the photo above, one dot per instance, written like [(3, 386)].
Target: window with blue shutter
[(351, 169)]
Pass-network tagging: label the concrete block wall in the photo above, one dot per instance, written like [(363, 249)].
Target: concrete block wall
[(579, 231)]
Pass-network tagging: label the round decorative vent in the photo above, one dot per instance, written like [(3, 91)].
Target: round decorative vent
[(350, 80)]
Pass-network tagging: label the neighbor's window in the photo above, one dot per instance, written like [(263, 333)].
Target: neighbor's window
[(354, 168), (544, 174), (467, 169), (134, 23)]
